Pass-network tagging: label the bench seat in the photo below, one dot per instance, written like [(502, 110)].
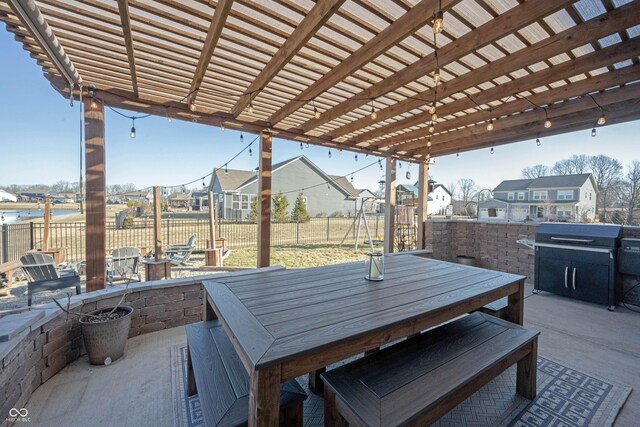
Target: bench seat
[(417, 381), (217, 374), (497, 308)]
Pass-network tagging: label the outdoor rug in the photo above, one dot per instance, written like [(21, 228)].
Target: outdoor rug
[(566, 397)]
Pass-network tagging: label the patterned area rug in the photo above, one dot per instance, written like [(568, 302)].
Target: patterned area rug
[(566, 397)]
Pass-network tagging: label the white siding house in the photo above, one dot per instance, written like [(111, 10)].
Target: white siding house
[(7, 197)]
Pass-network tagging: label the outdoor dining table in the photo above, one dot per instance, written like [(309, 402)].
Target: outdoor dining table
[(286, 323)]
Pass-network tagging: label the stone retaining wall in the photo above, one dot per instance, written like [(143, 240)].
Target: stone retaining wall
[(493, 245), (55, 340)]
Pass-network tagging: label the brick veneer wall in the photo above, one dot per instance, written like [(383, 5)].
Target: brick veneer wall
[(493, 245), (55, 341)]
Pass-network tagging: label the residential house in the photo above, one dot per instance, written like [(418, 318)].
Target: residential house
[(179, 200), (438, 200), (548, 198), (142, 196), (5, 196), (325, 195), (200, 200), (35, 194)]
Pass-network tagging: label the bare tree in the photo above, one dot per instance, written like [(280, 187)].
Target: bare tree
[(533, 172), (631, 189), (606, 171), (466, 188), (576, 164)]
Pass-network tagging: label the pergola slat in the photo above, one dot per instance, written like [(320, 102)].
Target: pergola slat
[(123, 6)]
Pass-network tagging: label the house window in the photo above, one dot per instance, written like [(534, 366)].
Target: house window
[(520, 196), (539, 195), (235, 201), (492, 212), (590, 196), (510, 196), (565, 194), (564, 213), (245, 201)]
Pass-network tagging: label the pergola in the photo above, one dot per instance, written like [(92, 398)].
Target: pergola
[(379, 77)]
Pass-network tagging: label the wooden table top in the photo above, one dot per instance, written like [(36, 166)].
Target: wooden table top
[(278, 316)]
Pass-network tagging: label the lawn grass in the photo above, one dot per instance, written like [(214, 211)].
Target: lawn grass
[(301, 256)]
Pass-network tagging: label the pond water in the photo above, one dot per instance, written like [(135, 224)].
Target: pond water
[(14, 217)]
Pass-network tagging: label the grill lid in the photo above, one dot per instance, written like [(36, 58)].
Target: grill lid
[(599, 235)]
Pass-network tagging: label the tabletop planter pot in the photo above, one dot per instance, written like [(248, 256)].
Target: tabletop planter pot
[(105, 333)]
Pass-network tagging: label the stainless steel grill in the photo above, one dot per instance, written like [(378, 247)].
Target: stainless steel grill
[(578, 261)]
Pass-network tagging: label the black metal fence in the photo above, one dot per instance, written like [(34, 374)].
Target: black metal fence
[(16, 239)]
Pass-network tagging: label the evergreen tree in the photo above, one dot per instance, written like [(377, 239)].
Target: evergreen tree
[(280, 205), (299, 213), (253, 214)]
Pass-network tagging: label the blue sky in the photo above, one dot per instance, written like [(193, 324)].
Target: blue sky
[(39, 135)]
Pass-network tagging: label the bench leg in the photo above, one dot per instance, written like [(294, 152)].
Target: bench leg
[(526, 380), (191, 379), (332, 418), (292, 415), (207, 310), (316, 385)]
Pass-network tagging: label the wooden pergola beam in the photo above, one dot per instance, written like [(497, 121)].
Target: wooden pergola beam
[(507, 23), (423, 201), (123, 7), (582, 120), (307, 28), (222, 10), (583, 105), (389, 206), (572, 38), (407, 24), (410, 140)]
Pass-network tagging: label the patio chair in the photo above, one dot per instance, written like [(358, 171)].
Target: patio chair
[(43, 275), (180, 254), (124, 264)]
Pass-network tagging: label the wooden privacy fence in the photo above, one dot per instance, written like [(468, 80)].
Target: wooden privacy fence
[(16, 239)]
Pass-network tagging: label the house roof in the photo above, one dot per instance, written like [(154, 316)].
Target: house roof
[(443, 187), (513, 184), (234, 179), (137, 194), (493, 203), (557, 181), (180, 196)]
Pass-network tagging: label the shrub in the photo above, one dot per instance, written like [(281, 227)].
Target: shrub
[(127, 223), (299, 213), (280, 205)]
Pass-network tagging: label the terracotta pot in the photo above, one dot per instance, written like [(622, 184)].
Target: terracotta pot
[(105, 341)]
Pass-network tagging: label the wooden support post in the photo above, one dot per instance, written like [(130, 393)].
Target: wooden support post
[(157, 223), (423, 196), (264, 397), (47, 223), (96, 193), (264, 200), (390, 205), (212, 222), (527, 373)]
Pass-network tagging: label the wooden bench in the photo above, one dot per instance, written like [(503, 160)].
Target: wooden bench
[(7, 269), (419, 380), (497, 308), (216, 373)]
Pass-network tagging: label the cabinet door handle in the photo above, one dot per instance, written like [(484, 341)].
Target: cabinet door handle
[(574, 279), (566, 273)]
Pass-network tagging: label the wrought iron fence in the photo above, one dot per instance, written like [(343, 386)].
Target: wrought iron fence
[(16, 239)]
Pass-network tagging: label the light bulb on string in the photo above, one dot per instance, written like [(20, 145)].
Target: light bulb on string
[(166, 114), (593, 132), (434, 117), (316, 113), (438, 22), (432, 128), (356, 157), (491, 150), (457, 155), (340, 152), (71, 95), (94, 104), (490, 125), (352, 179), (192, 107), (203, 184), (250, 108), (329, 152), (547, 122), (602, 119), (374, 115), (432, 108), (307, 145), (380, 163), (241, 138), (226, 169), (436, 76), (133, 128), (250, 152), (538, 142), (429, 142), (400, 165), (301, 146)]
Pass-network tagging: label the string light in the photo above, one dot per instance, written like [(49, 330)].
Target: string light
[(593, 132), (538, 142), (547, 122), (250, 108), (457, 155), (438, 20), (380, 163), (166, 114), (316, 113), (432, 128), (436, 75), (250, 152), (241, 138), (400, 165), (340, 152), (352, 179), (434, 117), (301, 146), (329, 152), (71, 94), (226, 169), (432, 108), (203, 184), (374, 115), (490, 123), (307, 145), (222, 127), (192, 107), (356, 157), (92, 93), (602, 119), (133, 128), (491, 150)]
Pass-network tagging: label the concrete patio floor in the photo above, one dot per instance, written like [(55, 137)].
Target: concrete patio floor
[(136, 390)]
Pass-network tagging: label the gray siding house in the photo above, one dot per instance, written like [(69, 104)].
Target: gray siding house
[(557, 197), (325, 195)]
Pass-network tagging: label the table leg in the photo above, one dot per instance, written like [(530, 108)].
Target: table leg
[(526, 379), (315, 382), (264, 397), (515, 310)]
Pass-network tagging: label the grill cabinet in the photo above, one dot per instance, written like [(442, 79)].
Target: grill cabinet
[(578, 261)]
